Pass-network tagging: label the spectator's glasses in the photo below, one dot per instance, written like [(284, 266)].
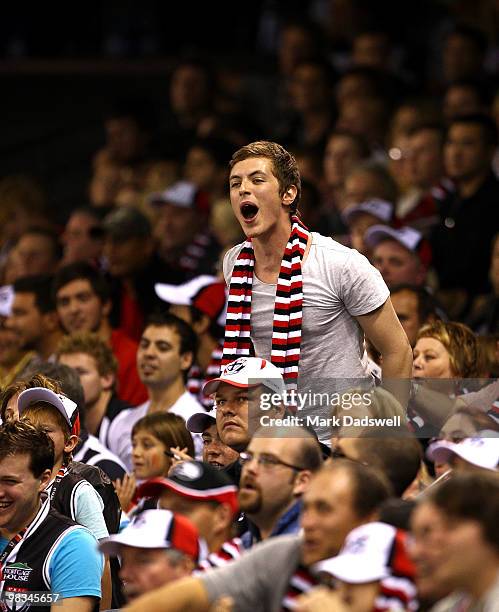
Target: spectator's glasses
[(266, 461)]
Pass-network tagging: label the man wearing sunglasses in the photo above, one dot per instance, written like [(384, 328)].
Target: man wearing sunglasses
[(276, 470)]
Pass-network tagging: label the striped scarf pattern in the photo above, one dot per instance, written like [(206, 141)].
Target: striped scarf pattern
[(286, 332)]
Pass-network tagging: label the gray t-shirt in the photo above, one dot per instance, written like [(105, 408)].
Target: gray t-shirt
[(260, 578), (338, 284)]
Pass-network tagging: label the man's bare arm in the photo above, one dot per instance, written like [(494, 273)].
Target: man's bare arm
[(180, 596), (384, 330)]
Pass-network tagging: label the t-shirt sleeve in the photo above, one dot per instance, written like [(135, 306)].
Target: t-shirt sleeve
[(229, 261), (76, 566), (89, 507), (362, 286), (250, 580)]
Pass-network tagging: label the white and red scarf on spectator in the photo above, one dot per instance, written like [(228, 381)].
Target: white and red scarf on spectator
[(286, 332)]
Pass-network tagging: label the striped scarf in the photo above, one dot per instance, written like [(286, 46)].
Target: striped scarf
[(286, 332)]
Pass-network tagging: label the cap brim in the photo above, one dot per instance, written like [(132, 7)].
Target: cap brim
[(212, 385), (200, 421), (113, 545), (352, 569), (29, 396), (374, 236), (440, 452)]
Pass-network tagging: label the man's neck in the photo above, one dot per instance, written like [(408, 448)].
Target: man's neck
[(267, 523), (9, 532), (482, 581), (95, 413), (105, 330), (162, 399), (268, 250), (468, 187), (48, 345)]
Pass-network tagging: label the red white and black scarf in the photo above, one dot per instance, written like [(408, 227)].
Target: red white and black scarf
[(286, 332)]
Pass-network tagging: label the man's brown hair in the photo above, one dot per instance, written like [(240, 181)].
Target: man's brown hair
[(92, 345), (22, 438)]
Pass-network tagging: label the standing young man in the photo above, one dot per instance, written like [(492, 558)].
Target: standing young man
[(303, 300)]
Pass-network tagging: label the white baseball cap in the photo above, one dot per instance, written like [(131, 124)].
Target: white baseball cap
[(248, 372), (64, 405), (155, 529), (381, 209), (408, 237), (365, 556), (480, 451)]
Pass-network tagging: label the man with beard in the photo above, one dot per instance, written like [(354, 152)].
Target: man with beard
[(277, 467), (273, 574)]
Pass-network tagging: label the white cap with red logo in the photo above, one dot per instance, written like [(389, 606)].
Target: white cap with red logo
[(248, 372)]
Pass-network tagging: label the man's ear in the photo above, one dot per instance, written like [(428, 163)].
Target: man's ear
[(45, 477), (186, 360), (289, 195), (106, 308), (107, 381), (71, 444), (302, 482)]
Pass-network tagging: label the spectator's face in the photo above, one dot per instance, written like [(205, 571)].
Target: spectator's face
[(397, 264), (295, 46), (19, 491), (431, 360), (53, 429), (425, 159), (255, 199), (92, 382), (371, 49), (215, 452), (10, 350), (360, 186), (126, 257), (176, 228), (465, 153), (78, 243), (448, 551), (461, 58), (200, 168), (405, 304), (460, 100), (201, 514), (340, 156), (105, 185), (26, 321), (148, 456), (425, 548), (125, 140), (36, 254), (232, 415), (358, 227), (309, 89), (159, 361), (189, 90), (79, 307), (328, 515), (267, 490), (145, 569)]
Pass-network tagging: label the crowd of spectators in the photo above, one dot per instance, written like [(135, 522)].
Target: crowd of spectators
[(137, 470)]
